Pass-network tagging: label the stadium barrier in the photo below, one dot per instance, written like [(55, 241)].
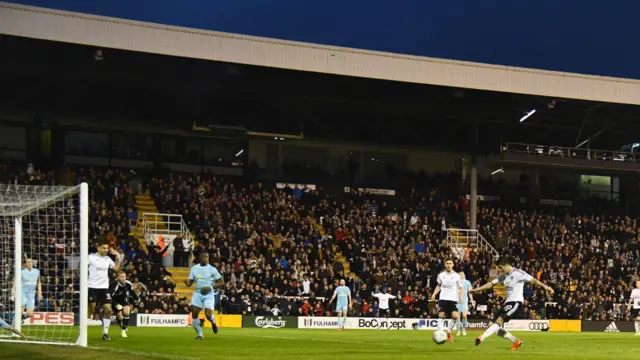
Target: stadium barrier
[(162, 320), (410, 324), (565, 325), (270, 322), (608, 326)]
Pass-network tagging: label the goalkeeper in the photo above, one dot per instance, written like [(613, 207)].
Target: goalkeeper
[(122, 296)]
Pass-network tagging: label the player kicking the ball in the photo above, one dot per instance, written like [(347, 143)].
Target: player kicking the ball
[(122, 296), (451, 293), (206, 277), (513, 280), (343, 304)]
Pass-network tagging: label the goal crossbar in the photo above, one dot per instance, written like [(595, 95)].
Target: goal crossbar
[(23, 199)]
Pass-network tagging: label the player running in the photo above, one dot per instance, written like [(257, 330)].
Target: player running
[(206, 277), (4, 325), (122, 296), (634, 303), (513, 280), (99, 265), (450, 289), (463, 307), (31, 286), (343, 293)]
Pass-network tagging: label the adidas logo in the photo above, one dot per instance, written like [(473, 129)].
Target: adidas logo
[(611, 328)]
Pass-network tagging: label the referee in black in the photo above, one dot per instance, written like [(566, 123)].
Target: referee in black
[(122, 297)]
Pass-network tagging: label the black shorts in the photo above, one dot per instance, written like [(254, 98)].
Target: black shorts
[(447, 307), (384, 312), (119, 302), (99, 296), (510, 311), (635, 313)]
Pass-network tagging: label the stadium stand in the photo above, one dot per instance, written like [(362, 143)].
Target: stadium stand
[(282, 250)]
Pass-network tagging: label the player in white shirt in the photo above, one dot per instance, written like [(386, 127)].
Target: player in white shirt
[(634, 303), (450, 289), (99, 265), (513, 280), (383, 302)]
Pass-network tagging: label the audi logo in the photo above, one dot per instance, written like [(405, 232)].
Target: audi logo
[(536, 325)]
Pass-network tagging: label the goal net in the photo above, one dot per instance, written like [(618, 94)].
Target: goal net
[(46, 226)]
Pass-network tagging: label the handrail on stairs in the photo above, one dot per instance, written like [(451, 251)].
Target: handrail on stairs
[(467, 238)]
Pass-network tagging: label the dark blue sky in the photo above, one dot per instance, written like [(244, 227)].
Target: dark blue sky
[(584, 36)]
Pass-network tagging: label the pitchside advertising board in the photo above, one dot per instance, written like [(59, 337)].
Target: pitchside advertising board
[(411, 324), (50, 318), (270, 322), (156, 320), (608, 326)]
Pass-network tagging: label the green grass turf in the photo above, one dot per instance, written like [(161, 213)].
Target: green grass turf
[(290, 344)]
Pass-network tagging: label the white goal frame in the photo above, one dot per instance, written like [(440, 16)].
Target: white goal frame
[(24, 207)]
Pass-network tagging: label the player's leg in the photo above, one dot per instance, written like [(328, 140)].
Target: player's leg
[(636, 317), (4, 325), (493, 328), (464, 315), (455, 317), (339, 320), (441, 315), (458, 322), (29, 306), (209, 305), (197, 304), (105, 299), (93, 302), (125, 314)]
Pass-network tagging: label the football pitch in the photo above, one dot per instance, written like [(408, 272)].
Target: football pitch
[(285, 344)]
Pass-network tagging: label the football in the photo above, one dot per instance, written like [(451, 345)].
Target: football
[(440, 337)]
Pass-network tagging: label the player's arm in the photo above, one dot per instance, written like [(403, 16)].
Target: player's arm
[(116, 264), (349, 294), (461, 297), (134, 295), (335, 292), (219, 284), (40, 297), (435, 293), (191, 278), (485, 287), (539, 283)]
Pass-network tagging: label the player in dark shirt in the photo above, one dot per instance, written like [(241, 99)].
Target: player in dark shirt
[(122, 297)]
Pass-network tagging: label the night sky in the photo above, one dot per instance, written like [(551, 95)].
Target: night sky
[(584, 36)]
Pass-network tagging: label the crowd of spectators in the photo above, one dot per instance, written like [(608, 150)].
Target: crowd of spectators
[(281, 250)]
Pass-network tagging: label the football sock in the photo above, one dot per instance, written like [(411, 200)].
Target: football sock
[(105, 325), (125, 322), (458, 325), (637, 326), (440, 324), (452, 324), (507, 335), (464, 323), (212, 319), (490, 331), (197, 327)]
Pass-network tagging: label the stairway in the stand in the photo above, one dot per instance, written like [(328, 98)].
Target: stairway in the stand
[(336, 250), (144, 204)]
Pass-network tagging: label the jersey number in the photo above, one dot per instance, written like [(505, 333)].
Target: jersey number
[(508, 307)]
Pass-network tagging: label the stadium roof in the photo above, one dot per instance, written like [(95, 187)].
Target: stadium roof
[(115, 33), (61, 79)]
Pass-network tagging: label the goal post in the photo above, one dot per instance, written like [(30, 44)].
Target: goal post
[(49, 227)]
